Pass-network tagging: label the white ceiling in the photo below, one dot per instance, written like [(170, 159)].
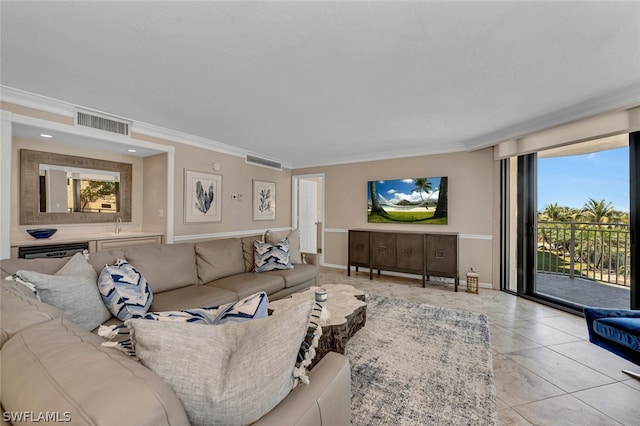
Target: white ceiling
[(327, 82)]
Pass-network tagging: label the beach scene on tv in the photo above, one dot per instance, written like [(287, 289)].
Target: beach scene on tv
[(416, 200)]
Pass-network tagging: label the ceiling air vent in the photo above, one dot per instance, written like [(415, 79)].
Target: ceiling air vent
[(102, 122), (263, 162)]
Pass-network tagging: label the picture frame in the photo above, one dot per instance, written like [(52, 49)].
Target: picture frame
[(264, 200), (202, 197)]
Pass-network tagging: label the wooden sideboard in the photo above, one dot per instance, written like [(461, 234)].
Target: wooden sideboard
[(420, 253)]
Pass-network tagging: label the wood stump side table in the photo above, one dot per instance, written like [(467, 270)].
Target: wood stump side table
[(347, 314)]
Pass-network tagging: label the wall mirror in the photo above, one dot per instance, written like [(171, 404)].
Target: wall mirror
[(59, 188)]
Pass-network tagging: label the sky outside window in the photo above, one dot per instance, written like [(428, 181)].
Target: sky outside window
[(570, 181)]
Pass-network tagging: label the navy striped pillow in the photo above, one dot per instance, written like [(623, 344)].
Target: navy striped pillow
[(270, 257)]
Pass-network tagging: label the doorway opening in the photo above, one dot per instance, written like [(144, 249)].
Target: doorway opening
[(307, 213), (583, 244), (568, 222)]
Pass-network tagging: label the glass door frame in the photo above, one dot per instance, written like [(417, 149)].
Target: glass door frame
[(526, 217)]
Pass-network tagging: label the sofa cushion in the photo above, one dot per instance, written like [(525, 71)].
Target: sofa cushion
[(218, 259), (248, 283), (622, 330), (19, 311), (124, 290), (106, 257), (227, 374), (165, 266), (58, 366), (192, 296), (300, 274), (46, 266), (294, 243), (72, 289), (269, 257), (247, 251)]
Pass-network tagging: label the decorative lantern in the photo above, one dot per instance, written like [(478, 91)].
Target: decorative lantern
[(472, 281)]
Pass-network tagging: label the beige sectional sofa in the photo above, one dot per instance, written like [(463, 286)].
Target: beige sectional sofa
[(51, 365)]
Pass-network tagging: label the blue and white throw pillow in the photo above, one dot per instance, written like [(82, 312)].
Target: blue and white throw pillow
[(124, 290), (251, 307), (269, 257), (307, 352)]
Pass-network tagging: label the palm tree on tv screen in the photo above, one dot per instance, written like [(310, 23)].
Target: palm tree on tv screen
[(443, 206), (422, 185), (376, 208)]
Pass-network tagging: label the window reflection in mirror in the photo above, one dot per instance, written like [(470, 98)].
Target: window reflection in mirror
[(65, 189), (88, 169)]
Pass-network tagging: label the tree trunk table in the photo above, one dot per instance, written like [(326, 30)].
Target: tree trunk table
[(347, 314)]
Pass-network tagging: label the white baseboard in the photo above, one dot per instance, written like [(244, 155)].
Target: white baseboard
[(414, 276)]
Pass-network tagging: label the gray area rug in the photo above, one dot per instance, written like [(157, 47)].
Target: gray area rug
[(415, 364)]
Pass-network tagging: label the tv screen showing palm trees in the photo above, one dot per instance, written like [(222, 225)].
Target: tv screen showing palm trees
[(420, 200)]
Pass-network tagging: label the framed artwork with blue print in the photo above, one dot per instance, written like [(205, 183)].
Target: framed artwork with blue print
[(202, 197), (264, 200)]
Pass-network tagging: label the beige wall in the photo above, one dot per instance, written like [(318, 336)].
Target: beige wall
[(149, 192), (472, 204), (154, 198), (237, 178)]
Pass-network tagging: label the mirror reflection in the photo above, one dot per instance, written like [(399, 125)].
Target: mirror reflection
[(58, 188), (65, 189)]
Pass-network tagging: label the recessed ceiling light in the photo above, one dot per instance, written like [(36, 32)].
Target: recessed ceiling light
[(131, 150), (44, 135)]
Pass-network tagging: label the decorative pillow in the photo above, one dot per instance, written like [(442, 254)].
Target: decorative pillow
[(294, 244), (251, 307), (73, 290), (269, 257), (307, 351), (231, 374), (124, 290)]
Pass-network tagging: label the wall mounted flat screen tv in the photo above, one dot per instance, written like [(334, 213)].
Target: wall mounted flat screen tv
[(417, 200)]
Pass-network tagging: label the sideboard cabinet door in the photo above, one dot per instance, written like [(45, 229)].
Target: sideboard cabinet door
[(410, 252), (383, 245), (442, 256), (359, 250)]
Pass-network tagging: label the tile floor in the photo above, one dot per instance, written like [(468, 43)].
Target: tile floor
[(546, 371)]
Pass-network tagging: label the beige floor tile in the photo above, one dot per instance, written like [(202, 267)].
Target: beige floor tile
[(617, 401), (504, 340), (508, 416), (568, 323), (563, 372), (563, 410), (515, 385), (538, 332), (595, 357), (634, 383)]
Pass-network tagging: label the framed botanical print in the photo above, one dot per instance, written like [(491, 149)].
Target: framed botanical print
[(264, 200), (202, 197)]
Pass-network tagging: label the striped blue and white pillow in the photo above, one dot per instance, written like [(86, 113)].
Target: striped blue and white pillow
[(124, 290), (269, 257), (251, 307)]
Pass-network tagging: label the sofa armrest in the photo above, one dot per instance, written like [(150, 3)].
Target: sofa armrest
[(310, 258), (326, 400)]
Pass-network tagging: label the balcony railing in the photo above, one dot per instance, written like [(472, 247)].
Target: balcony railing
[(597, 251)]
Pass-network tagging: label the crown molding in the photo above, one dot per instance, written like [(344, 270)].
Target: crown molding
[(626, 98), (185, 138), (55, 106), (444, 148), (39, 102)]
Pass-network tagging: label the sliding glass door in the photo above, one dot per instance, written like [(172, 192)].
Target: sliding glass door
[(569, 220)]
